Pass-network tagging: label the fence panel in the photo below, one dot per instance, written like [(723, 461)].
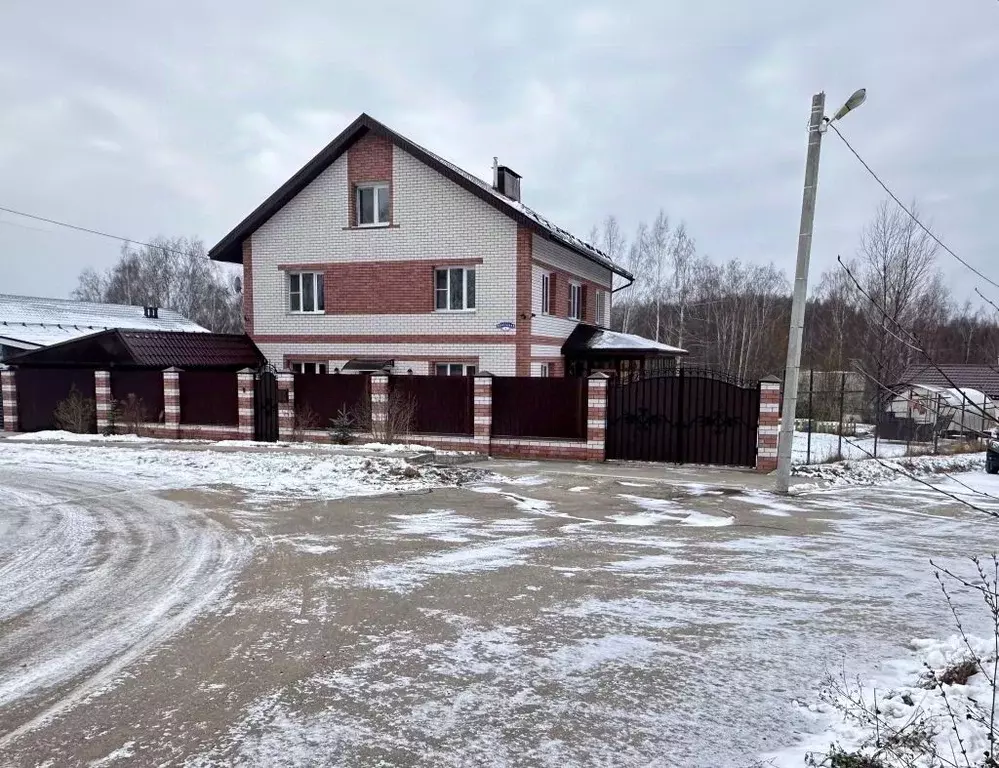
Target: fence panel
[(324, 395), (439, 404), (539, 407), (209, 397), (40, 390), (147, 386)]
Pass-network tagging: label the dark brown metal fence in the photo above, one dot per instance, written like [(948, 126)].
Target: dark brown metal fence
[(147, 386), (539, 407), (693, 416), (440, 404), (40, 390), (325, 395), (208, 397)]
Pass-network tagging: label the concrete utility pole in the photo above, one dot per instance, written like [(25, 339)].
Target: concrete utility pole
[(785, 440)]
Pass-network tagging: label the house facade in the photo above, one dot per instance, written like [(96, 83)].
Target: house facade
[(380, 254)]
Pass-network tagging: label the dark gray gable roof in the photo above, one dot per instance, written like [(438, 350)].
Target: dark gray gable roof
[(229, 248)]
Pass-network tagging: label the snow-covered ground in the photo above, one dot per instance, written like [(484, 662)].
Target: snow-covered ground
[(825, 447)]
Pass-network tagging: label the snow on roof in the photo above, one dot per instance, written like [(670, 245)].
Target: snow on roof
[(29, 321), (957, 396), (604, 339)]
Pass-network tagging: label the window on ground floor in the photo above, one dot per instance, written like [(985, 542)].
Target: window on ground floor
[(545, 369), (454, 369), (308, 367), (305, 292)]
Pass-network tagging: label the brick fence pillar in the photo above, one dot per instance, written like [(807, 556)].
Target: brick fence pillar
[(171, 402), (766, 434), (244, 399), (8, 393), (482, 411), (379, 405), (286, 405), (596, 416), (104, 402)]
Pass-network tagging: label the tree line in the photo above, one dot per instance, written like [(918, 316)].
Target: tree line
[(733, 315)]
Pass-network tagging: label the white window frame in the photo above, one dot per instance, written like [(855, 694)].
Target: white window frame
[(454, 369), (600, 308), (575, 301), (546, 293), (311, 367), (318, 293), (449, 272), (545, 370), (379, 189)]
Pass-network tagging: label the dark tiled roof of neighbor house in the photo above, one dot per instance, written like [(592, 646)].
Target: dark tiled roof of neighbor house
[(230, 247), (984, 378)]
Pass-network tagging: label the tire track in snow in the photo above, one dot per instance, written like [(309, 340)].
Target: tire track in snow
[(91, 581)]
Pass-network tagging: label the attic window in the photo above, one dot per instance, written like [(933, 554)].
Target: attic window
[(372, 205)]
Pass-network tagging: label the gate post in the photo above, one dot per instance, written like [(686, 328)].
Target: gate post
[(244, 398), (171, 402), (482, 412), (286, 405), (104, 402), (8, 393), (379, 406), (766, 432), (596, 416)]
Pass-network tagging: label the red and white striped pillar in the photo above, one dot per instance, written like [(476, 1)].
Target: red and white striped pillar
[(482, 411), (596, 416), (171, 402), (8, 393), (102, 396), (286, 405), (379, 405), (769, 426), (244, 395)]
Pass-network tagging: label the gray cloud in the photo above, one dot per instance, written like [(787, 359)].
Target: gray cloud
[(180, 119)]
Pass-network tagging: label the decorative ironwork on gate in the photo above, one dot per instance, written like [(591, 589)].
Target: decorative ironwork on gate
[(690, 415), (265, 405)]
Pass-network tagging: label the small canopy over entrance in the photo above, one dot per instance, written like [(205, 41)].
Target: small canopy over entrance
[(117, 349), (590, 348), (368, 364)]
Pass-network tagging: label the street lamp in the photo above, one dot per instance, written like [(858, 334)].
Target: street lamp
[(816, 127)]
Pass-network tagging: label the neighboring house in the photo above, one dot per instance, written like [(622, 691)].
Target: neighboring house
[(380, 254), (28, 322), (984, 378)]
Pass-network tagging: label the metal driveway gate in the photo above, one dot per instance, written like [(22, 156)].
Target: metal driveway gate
[(690, 416), (265, 407)]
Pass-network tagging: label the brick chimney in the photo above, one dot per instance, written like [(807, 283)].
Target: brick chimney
[(506, 181)]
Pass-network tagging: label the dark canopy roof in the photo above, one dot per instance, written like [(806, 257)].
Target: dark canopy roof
[(592, 341), (984, 378), (230, 248), (147, 349)]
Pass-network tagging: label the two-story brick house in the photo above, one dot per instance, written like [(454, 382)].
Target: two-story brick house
[(379, 252)]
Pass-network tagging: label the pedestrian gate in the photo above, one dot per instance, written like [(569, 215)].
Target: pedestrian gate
[(265, 407), (686, 416)]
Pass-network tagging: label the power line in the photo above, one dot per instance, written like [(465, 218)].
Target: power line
[(904, 208), (93, 231)]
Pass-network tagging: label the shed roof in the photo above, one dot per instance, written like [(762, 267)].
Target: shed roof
[(984, 378), (29, 322), (148, 349), (230, 247), (594, 341)]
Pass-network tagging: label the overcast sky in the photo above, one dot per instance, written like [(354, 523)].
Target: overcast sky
[(179, 118)]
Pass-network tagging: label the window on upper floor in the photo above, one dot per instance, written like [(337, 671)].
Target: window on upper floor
[(600, 298), (372, 205), (454, 369), (546, 294), (454, 289), (308, 367), (305, 292), (575, 301), (545, 370)]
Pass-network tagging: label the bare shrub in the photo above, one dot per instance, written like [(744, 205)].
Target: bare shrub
[(76, 413), (305, 419), (400, 417), (130, 413)]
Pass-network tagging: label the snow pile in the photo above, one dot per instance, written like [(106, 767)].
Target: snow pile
[(61, 436), (826, 446), (875, 471), (904, 716)]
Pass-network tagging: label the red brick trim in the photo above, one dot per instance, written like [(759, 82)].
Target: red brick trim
[(396, 338), (525, 279), (369, 161), (248, 285), (325, 358), (322, 266), (369, 227)]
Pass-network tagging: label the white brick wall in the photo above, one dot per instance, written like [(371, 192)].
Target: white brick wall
[(437, 220)]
